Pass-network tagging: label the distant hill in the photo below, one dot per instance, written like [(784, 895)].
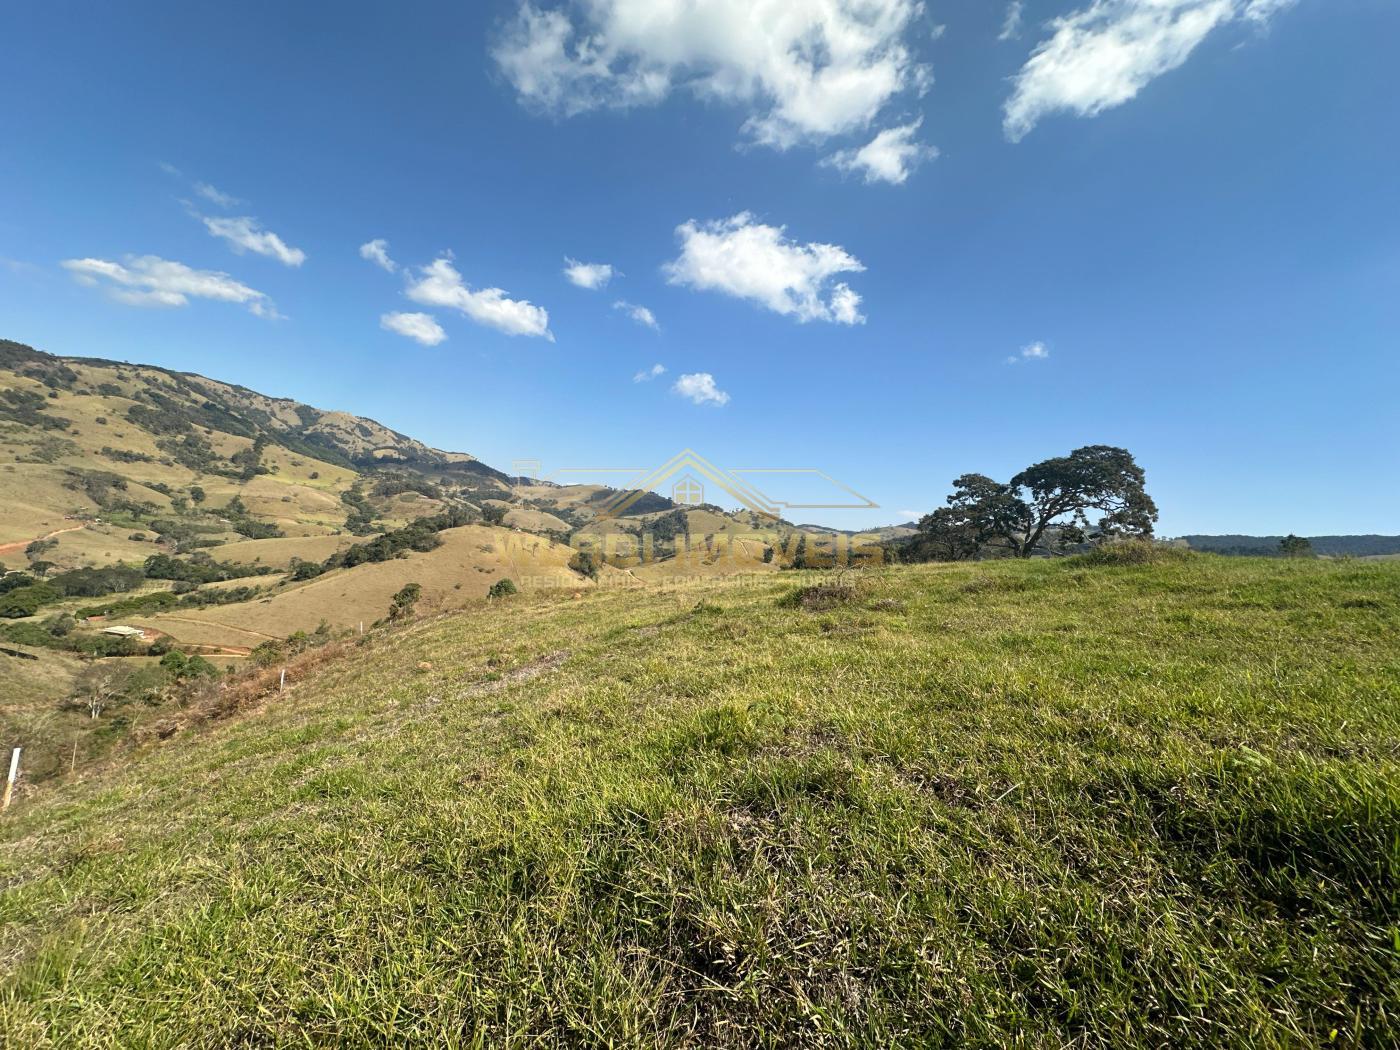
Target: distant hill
[(174, 402), (1356, 546), (216, 518)]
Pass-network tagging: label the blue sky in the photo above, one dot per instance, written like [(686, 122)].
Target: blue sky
[(1172, 225)]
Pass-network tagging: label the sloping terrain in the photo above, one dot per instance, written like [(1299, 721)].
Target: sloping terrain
[(459, 572), (146, 471), (1000, 804)]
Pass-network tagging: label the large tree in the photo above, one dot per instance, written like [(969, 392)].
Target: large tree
[(948, 534), (1046, 508)]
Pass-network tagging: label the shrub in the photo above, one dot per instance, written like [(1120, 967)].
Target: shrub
[(265, 654), (401, 605), (820, 596), (503, 587), (585, 563), (25, 601)]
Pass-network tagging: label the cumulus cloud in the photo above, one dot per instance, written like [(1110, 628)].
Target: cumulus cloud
[(640, 314), (1102, 55), (247, 234), (805, 70), (148, 280), (439, 284), (889, 157), (216, 195), (420, 327), (749, 260), (1036, 351), (700, 388), (377, 252), (646, 375), (587, 275)]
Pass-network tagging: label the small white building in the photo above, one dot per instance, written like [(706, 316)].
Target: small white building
[(122, 631)]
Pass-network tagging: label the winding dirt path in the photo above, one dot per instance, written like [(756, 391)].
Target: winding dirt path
[(153, 633), (212, 623), (19, 545)]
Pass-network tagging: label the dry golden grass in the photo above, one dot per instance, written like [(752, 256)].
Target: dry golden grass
[(562, 495), (41, 681), (459, 572), (280, 552), (33, 502), (100, 545), (534, 521), (34, 499)]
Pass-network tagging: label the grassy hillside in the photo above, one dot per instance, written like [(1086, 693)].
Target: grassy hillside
[(1030, 804)]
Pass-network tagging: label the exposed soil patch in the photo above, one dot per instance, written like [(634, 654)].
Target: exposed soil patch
[(544, 664), (19, 545)]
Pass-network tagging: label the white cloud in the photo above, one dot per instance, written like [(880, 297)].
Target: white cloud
[(640, 314), (1036, 351), (148, 280), (377, 252), (421, 327), (889, 157), (748, 260), (804, 69), (588, 275), (1011, 26), (246, 234), (646, 375), (217, 196), (700, 388), (441, 285), (1102, 55), (1261, 11), (170, 169)]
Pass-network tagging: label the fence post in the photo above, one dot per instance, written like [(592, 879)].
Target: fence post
[(14, 772), (282, 682)]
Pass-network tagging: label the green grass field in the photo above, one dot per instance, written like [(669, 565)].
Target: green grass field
[(1032, 804)]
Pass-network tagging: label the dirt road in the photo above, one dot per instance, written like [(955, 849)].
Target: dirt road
[(19, 545)]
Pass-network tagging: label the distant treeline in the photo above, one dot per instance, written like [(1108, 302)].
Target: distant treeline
[(1356, 546)]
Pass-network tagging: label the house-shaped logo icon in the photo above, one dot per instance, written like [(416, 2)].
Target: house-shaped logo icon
[(688, 467), (687, 492)]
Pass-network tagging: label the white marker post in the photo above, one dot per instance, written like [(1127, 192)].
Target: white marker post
[(282, 682), (14, 772)]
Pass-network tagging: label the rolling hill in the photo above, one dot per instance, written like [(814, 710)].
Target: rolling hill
[(216, 519)]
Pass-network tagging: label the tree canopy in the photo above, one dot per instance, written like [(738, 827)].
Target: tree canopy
[(1094, 493)]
